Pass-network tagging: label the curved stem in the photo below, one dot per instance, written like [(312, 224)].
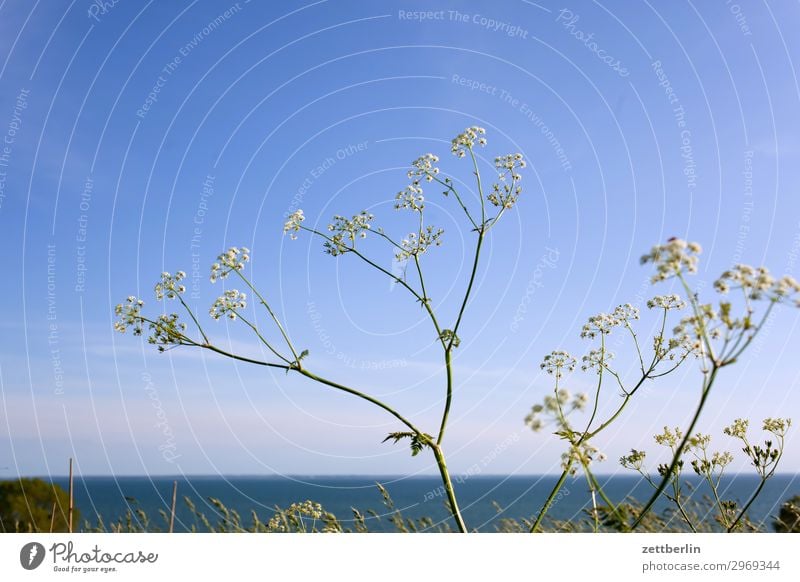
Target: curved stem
[(363, 396)]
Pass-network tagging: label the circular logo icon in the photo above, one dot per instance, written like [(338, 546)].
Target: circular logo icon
[(31, 555)]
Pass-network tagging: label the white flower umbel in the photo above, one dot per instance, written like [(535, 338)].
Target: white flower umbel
[(505, 193), (231, 260), (228, 304), (423, 167), (466, 140), (292, 224), (556, 362), (346, 231), (169, 286), (675, 257)]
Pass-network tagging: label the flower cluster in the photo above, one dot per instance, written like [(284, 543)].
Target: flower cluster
[(758, 283), (634, 461), (292, 224), (684, 343), (466, 140), (582, 454), (708, 467), (411, 198), (506, 195), (777, 426), (130, 315), (596, 359), (666, 302), (556, 362), (228, 303), (346, 230), (763, 458), (423, 167), (738, 429), (416, 244), (603, 323), (669, 438), (673, 258), (170, 286), (167, 330), (555, 405), (231, 260), (291, 519)]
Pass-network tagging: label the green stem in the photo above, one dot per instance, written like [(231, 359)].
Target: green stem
[(363, 396), (448, 487), (747, 505), (261, 337), (679, 451), (191, 314), (271, 313), (549, 501)]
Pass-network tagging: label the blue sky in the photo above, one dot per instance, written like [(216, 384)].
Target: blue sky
[(149, 137)]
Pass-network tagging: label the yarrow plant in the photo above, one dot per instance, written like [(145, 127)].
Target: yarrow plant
[(715, 336), (354, 236)]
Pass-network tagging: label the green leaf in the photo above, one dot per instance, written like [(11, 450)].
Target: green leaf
[(417, 442)]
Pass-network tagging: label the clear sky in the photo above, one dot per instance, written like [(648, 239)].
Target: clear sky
[(141, 137)]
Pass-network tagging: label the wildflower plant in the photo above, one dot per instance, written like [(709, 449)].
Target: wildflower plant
[(712, 334), (346, 236), (710, 466)]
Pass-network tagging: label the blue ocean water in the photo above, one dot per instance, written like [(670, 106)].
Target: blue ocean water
[(484, 500)]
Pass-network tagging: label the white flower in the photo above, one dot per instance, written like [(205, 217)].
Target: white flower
[(464, 141), (738, 429), (292, 224), (423, 167), (168, 286), (666, 302), (347, 230), (411, 198), (556, 362), (228, 303), (415, 245), (231, 260), (597, 359), (505, 194), (672, 258), (129, 315)]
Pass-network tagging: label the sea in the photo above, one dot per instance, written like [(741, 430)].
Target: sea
[(484, 500)]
